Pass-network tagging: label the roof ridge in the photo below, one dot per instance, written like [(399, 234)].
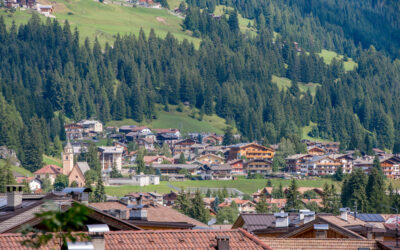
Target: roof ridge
[(173, 231), (255, 239)]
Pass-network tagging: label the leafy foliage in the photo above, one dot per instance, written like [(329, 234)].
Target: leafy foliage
[(60, 225)]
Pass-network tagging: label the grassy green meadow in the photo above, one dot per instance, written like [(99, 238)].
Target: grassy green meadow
[(285, 83), (105, 21), (245, 185), (16, 169), (48, 160), (181, 120), (307, 129), (328, 56), (243, 22)]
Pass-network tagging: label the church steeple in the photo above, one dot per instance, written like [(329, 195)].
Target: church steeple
[(68, 159)]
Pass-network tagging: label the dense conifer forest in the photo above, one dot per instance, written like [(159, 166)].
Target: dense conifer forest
[(47, 74)]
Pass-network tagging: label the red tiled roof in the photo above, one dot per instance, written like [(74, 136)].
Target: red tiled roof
[(21, 179), (181, 239), (150, 159), (228, 202), (49, 169), (171, 239), (318, 201)]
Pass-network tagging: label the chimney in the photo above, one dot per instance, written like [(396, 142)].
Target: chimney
[(85, 197), (344, 212), (308, 217), (96, 232), (302, 212), (281, 219), (222, 243), (321, 230), (137, 211), (80, 246), (14, 196)]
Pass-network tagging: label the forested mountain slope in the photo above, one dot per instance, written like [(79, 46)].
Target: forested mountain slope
[(46, 73)]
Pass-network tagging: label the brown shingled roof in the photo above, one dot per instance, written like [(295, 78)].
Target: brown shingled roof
[(313, 244), (156, 213)]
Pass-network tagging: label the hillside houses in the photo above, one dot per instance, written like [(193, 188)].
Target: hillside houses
[(250, 151), (202, 149)]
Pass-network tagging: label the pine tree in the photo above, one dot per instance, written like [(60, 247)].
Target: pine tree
[(376, 189), (197, 209), (92, 158), (262, 205), (182, 159), (338, 176), (182, 202), (233, 21), (99, 193), (228, 136), (293, 197), (208, 194), (353, 190), (216, 203), (278, 193), (331, 199)]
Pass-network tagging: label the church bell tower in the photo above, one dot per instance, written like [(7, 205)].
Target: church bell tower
[(68, 159)]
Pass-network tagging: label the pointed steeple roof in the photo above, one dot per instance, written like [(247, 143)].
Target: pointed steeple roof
[(68, 145)]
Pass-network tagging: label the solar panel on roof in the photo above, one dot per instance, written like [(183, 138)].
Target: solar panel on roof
[(370, 217)]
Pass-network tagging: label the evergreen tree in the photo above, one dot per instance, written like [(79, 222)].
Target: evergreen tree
[(228, 136), (338, 176), (92, 158), (293, 197), (6, 176), (61, 182), (197, 209), (115, 173), (99, 193), (331, 199), (140, 164), (278, 193), (216, 203), (208, 194), (182, 202), (227, 215), (262, 205), (182, 159), (224, 193), (353, 190), (376, 189), (26, 189), (233, 21)]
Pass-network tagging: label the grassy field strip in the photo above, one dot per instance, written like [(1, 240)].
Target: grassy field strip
[(244, 185), (48, 160), (328, 55), (285, 83)]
